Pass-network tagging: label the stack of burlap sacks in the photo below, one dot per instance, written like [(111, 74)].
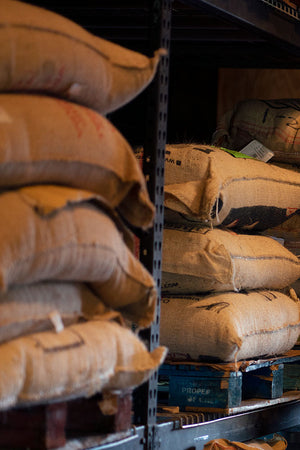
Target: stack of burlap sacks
[(276, 442), (70, 284), (225, 286), (276, 124)]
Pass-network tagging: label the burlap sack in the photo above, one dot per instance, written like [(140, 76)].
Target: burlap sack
[(294, 167), (290, 229), (274, 123), (220, 260), (47, 140), (204, 183), (79, 361), (293, 246), (56, 233), (230, 326), (45, 52), (44, 306), (277, 442)]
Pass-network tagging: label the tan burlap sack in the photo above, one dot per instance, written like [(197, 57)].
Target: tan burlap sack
[(293, 246), (290, 229), (45, 52), (204, 183), (294, 167), (277, 442), (79, 361), (48, 140), (204, 260), (28, 309), (56, 233), (230, 326), (274, 123)]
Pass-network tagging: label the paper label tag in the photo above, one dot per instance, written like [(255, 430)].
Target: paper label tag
[(258, 151), (56, 320)]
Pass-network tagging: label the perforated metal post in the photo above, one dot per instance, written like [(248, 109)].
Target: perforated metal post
[(153, 166)]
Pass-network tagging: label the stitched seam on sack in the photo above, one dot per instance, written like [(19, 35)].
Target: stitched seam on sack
[(275, 330), (233, 277), (58, 348), (265, 258), (91, 165), (60, 33), (93, 246), (48, 30), (264, 131), (233, 180)]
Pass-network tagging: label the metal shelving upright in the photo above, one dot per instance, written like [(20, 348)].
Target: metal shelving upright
[(273, 28)]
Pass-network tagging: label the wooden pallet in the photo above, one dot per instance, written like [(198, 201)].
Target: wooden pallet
[(50, 426), (225, 387), (191, 415)]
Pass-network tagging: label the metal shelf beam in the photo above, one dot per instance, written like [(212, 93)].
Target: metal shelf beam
[(240, 428), (258, 16)]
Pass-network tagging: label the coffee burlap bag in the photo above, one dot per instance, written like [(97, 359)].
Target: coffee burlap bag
[(220, 260), (274, 123), (28, 309), (230, 326), (58, 233), (48, 140), (43, 51), (80, 361), (277, 442), (208, 185), (290, 229)]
